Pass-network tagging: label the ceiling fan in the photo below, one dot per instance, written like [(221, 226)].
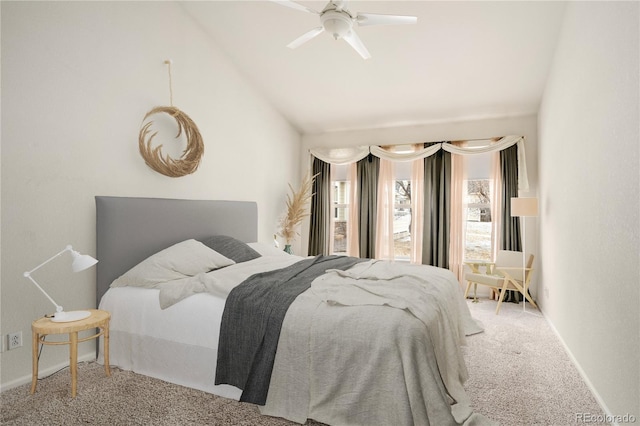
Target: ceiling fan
[(336, 20)]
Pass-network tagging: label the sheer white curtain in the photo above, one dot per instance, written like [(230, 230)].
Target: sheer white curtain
[(458, 215), (340, 156), (417, 209), (349, 155), (332, 215), (502, 143), (496, 203), (405, 152), (389, 156), (384, 222), (353, 237), (386, 190)]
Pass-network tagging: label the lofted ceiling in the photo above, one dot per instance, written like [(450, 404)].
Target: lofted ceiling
[(462, 60)]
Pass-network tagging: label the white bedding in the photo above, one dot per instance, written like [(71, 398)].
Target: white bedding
[(179, 344), (395, 373)]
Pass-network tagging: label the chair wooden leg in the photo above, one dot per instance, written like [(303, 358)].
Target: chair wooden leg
[(501, 298), (525, 293), (466, 292)]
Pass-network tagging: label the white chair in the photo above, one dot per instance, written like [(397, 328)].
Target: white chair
[(507, 274)]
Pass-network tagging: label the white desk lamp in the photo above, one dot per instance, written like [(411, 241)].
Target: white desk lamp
[(80, 263)]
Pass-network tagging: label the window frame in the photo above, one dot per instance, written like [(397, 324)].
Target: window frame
[(478, 205)]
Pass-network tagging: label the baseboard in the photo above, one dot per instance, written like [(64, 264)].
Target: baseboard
[(43, 373), (582, 373)]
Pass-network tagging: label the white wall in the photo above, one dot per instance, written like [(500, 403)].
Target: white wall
[(77, 78), (589, 192), (442, 131)]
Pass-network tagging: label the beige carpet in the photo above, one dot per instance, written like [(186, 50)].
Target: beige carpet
[(519, 372), (519, 375)]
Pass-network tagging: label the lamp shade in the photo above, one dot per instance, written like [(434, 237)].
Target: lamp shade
[(524, 206), (82, 261)]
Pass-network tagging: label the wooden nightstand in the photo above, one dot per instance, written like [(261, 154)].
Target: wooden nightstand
[(42, 327)]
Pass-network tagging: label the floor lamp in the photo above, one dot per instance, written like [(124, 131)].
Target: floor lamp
[(524, 207)]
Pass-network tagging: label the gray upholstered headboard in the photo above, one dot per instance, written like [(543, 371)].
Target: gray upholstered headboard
[(128, 230)]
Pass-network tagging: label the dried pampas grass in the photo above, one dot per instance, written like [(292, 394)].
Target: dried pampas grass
[(190, 158), (296, 209)]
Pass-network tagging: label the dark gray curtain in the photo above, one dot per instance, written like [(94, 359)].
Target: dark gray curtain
[(437, 209), (368, 172), (510, 225), (320, 212)]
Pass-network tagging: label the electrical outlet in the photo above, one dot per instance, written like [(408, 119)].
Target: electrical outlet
[(15, 340)]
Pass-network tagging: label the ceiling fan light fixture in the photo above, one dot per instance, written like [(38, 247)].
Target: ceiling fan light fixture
[(338, 21), (338, 24)]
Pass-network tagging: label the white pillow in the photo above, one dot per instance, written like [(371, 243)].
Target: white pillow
[(267, 249), (186, 259)]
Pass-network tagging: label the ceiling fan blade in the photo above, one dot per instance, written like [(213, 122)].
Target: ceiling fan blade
[(296, 6), (357, 44), (305, 37), (364, 19)]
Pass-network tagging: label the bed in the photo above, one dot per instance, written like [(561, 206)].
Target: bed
[(362, 342)]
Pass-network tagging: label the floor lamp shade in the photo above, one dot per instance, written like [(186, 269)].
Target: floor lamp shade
[(524, 206)]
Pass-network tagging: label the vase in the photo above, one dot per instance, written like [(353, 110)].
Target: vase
[(287, 249)]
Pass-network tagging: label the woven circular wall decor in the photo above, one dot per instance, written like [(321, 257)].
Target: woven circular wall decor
[(190, 158)]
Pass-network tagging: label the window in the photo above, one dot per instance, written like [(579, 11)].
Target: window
[(402, 211), (402, 220), (478, 229), (478, 212), (402, 215), (340, 207), (340, 216)]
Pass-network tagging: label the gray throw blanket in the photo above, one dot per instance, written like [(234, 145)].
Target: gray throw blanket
[(252, 319)]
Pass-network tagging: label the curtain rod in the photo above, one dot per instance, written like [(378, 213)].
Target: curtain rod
[(493, 139)]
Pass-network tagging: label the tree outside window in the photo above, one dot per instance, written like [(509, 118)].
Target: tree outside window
[(478, 233), (402, 220)]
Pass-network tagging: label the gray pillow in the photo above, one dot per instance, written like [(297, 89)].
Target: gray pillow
[(231, 248)]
